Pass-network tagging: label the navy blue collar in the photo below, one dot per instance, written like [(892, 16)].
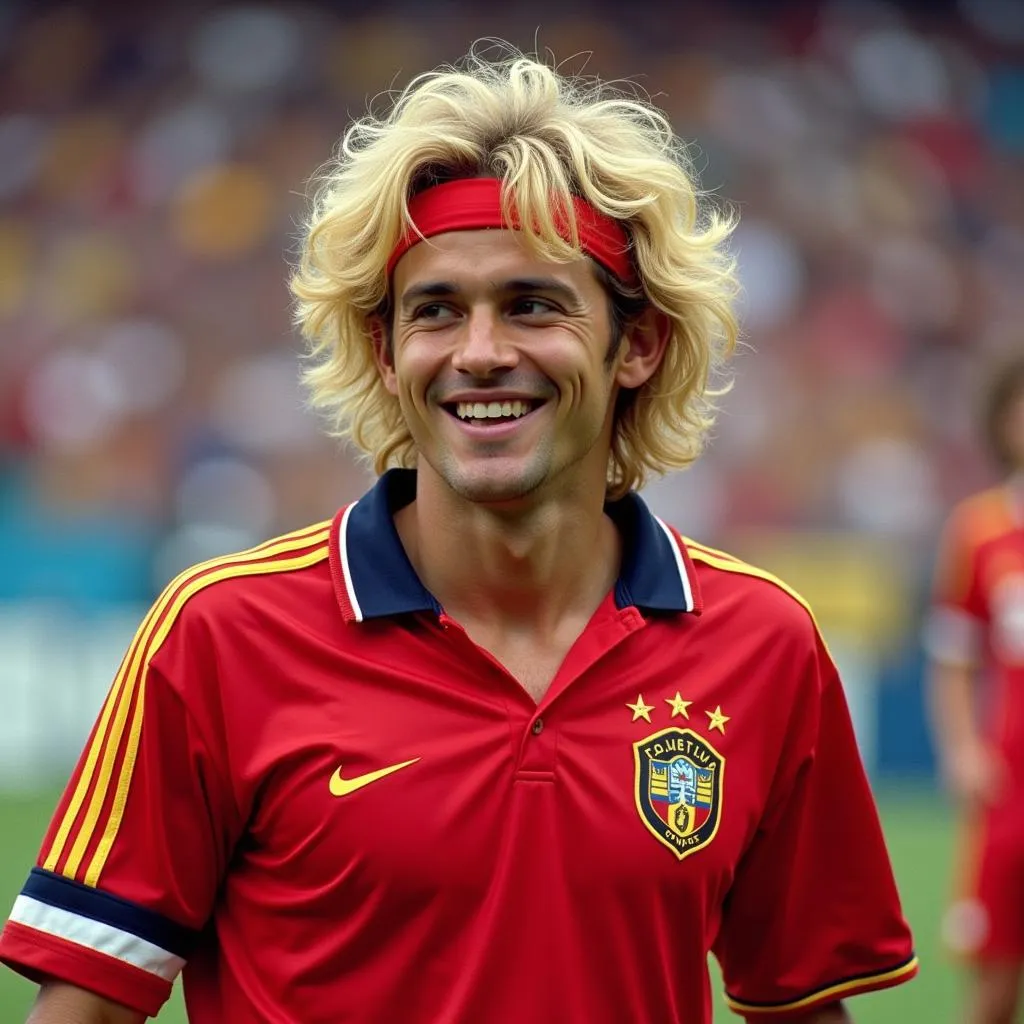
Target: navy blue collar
[(378, 579)]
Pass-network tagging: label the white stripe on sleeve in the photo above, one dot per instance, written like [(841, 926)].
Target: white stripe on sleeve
[(103, 938), (952, 637)]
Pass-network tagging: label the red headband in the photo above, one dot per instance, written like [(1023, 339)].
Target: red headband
[(469, 204)]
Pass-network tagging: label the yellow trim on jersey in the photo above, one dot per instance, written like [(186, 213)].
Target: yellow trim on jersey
[(107, 738), (117, 699), (693, 544), (832, 993), (131, 751), (729, 563), (721, 560)]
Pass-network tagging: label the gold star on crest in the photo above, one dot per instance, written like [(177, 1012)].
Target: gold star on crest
[(679, 706), (717, 720), (640, 709)]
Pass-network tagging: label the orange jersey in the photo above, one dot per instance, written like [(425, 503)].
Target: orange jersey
[(978, 608)]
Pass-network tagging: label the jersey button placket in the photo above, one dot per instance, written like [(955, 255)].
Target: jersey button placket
[(537, 747)]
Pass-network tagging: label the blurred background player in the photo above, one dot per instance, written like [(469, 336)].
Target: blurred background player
[(975, 640)]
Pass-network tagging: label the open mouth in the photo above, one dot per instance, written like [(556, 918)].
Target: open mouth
[(491, 413)]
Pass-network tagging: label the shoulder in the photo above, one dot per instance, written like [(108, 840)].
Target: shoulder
[(760, 628), (226, 608), (752, 610), (981, 518), (221, 586), (747, 593)]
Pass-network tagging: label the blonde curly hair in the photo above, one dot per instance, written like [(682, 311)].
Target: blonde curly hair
[(546, 136)]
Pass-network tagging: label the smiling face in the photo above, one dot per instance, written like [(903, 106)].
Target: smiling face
[(505, 366)]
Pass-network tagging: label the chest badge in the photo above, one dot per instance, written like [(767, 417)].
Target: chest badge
[(678, 788)]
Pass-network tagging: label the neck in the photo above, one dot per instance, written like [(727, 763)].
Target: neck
[(527, 567)]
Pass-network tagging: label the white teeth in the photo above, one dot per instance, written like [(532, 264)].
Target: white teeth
[(491, 410)]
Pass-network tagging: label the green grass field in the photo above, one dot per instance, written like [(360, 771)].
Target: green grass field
[(917, 826)]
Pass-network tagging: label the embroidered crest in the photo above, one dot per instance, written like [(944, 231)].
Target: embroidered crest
[(678, 788)]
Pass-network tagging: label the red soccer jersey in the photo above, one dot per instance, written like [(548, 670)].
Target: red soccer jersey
[(310, 788), (978, 614)]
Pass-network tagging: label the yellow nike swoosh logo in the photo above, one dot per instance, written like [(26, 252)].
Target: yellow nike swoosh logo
[(342, 787)]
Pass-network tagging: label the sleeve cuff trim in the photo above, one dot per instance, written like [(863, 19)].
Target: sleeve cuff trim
[(107, 909), (952, 635), (96, 936), (831, 993), (39, 957)]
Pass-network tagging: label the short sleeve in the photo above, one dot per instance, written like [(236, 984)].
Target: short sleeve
[(130, 865), (813, 915), (956, 580), (954, 628)]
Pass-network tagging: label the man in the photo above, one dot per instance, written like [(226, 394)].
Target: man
[(623, 749), (975, 640)]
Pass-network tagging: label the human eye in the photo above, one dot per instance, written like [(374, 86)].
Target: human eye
[(530, 305), (433, 312)]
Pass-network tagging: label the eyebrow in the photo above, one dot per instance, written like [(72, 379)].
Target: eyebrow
[(516, 286)]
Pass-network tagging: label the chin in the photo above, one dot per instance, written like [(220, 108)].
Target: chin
[(491, 492), (490, 487)]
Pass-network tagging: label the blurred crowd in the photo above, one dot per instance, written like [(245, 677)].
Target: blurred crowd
[(153, 171)]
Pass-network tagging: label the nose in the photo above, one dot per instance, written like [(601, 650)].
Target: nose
[(484, 347)]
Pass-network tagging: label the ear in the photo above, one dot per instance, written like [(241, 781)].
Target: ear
[(646, 340), (383, 353)]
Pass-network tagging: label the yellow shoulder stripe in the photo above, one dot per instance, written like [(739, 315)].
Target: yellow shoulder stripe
[(720, 560), (693, 545), (832, 993), (729, 563), (128, 692)]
